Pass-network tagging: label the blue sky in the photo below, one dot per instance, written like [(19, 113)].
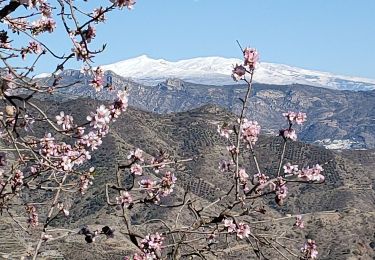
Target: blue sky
[(329, 35)]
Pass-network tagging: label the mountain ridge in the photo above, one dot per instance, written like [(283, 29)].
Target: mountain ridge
[(217, 70)]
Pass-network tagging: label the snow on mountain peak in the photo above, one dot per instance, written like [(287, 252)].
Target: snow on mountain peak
[(217, 71)]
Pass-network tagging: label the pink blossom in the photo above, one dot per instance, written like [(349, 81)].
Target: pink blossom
[(17, 24), (17, 180), (290, 169), (63, 209), (65, 120), (33, 219), (243, 230), (312, 174), (98, 80), (90, 33), (224, 132), (31, 3), (120, 104), (45, 9), (251, 57), (92, 139), (260, 178), (136, 155), (124, 199), (281, 191), (238, 72), (244, 177), (98, 14), (167, 183), (43, 25), (292, 117), (228, 223), (289, 134), (81, 53), (152, 244), (232, 149), (48, 147), (124, 3), (310, 249), (136, 169), (67, 163), (300, 118), (147, 184), (28, 122), (86, 180), (299, 222), (101, 118), (33, 47), (250, 131)]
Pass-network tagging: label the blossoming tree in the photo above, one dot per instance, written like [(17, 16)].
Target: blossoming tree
[(56, 162)]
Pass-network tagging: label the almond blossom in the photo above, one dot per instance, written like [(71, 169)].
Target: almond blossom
[(98, 79), (309, 249), (33, 219), (147, 184), (33, 47), (101, 118), (151, 245), (238, 72), (136, 169), (299, 222), (281, 191), (63, 209), (43, 25), (288, 134), (260, 178), (17, 180), (251, 57), (290, 169), (167, 183), (312, 174), (136, 155), (98, 14), (224, 132), (124, 199), (243, 230), (250, 131), (66, 121), (119, 105), (124, 3), (228, 223), (243, 176), (298, 117), (90, 33), (85, 180), (31, 3)]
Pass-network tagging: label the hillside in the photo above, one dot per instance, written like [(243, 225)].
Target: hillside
[(342, 208)]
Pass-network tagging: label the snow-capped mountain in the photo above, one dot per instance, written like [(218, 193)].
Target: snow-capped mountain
[(217, 71)]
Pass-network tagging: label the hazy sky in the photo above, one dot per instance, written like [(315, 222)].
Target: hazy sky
[(329, 35)]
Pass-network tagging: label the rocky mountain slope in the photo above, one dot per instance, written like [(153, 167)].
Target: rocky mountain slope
[(338, 119), (339, 212)]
